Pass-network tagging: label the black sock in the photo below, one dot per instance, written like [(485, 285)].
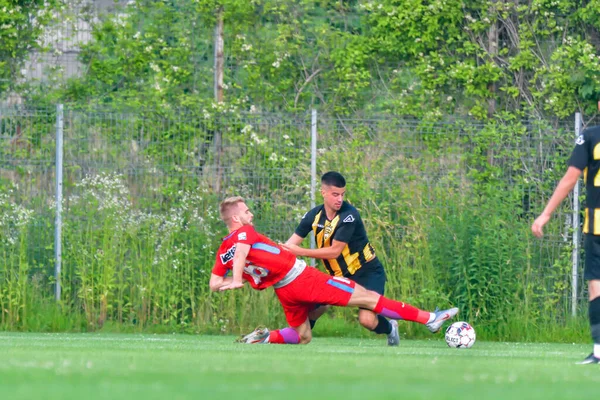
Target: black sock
[(594, 313), (383, 326), (312, 323)]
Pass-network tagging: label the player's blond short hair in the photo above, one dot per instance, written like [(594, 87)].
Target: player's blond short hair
[(228, 205)]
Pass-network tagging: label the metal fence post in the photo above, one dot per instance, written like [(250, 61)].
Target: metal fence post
[(575, 266), (313, 170), (59, 185)]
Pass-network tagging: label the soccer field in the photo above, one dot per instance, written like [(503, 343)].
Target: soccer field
[(101, 366)]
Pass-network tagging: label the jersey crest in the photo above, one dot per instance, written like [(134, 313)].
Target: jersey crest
[(328, 231)]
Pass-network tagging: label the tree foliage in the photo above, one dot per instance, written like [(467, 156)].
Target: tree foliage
[(411, 57), (21, 24)]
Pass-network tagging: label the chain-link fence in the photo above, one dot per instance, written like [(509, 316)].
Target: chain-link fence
[(455, 198)]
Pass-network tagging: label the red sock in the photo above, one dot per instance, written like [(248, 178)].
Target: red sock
[(398, 310), (284, 336)]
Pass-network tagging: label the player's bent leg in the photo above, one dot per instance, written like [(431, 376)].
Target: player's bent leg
[(368, 319), (304, 332), (386, 307), (380, 325), (315, 314), (318, 312), (399, 310)]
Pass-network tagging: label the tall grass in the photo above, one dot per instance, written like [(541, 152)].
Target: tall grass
[(448, 219)]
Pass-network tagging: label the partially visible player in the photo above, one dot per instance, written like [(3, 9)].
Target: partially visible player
[(345, 249), (585, 157), (255, 258)]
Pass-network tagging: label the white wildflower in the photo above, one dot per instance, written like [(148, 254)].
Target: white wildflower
[(247, 128)]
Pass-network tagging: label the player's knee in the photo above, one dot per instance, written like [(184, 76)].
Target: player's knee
[(369, 320), (305, 338)]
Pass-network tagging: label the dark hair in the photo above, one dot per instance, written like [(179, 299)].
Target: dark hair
[(333, 178)]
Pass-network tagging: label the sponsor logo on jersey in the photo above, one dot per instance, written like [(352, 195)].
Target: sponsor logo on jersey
[(349, 218), (242, 236), (228, 255), (580, 140)]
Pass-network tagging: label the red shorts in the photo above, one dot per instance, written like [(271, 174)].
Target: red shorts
[(312, 287)]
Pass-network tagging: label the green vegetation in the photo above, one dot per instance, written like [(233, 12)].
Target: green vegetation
[(448, 191), (427, 59), (22, 24), (448, 214)]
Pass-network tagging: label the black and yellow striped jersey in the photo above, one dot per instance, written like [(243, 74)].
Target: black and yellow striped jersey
[(347, 227), (586, 157)]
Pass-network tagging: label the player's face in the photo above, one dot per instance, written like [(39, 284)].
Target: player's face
[(333, 196), (244, 214)]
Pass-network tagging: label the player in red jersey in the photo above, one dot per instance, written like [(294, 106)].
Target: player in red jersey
[(255, 258)]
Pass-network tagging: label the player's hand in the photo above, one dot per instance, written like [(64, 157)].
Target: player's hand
[(231, 286), (538, 224), (293, 248)]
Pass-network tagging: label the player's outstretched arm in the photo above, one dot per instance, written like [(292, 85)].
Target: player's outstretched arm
[(217, 282), (324, 253), (564, 187), (239, 261), (295, 239)]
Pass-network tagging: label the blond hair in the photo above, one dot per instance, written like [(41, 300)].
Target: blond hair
[(227, 207)]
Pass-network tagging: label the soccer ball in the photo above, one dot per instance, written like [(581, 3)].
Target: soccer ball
[(460, 335)]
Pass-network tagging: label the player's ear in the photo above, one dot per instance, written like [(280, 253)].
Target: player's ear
[(235, 218)]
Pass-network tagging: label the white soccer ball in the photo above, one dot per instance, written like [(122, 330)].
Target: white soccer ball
[(460, 335)]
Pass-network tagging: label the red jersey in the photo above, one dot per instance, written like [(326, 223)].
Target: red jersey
[(266, 264)]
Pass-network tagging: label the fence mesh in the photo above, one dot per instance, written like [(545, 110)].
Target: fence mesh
[(461, 187)]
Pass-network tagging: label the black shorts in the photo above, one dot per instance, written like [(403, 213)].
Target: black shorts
[(592, 257), (371, 276)]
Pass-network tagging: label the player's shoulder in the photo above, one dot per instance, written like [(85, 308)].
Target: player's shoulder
[(348, 213), (244, 233), (591, 134), (310, 214), (593, 130)]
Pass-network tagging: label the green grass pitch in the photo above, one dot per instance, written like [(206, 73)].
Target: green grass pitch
[(171, 367)]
